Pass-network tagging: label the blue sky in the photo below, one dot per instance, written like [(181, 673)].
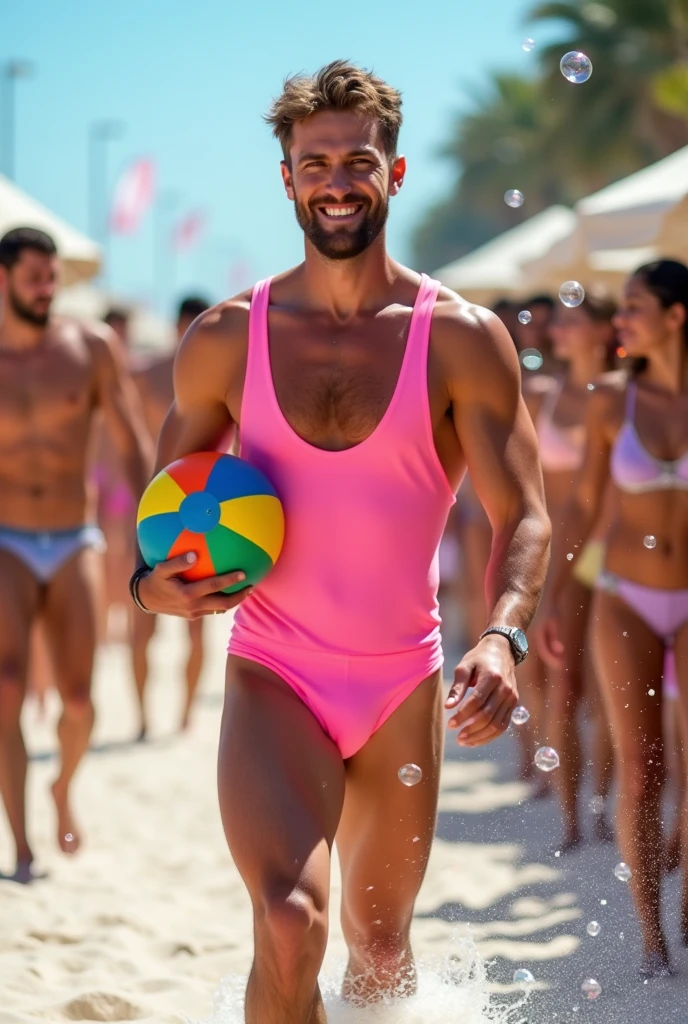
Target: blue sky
[(190, 82)]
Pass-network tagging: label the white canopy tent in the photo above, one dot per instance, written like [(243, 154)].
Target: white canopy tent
[(149, 332), (81, 258), (494, 269), (622, 226)]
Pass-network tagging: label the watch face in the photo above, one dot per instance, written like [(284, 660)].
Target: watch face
[(519, 638)]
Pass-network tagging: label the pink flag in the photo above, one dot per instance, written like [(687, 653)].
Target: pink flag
[(188, 230), (134, 193)]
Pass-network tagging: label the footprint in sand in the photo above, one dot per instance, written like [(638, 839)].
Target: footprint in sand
[(102, 1006)]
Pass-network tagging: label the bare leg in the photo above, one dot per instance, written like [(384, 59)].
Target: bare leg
[(681, 653), (143, 628), (40, 673), (194, 666), (602, 749), (281, 782), (532, 685), (565, 694), (19, 599), (71, 612), (384, 843), (674, 731), (629, 659)]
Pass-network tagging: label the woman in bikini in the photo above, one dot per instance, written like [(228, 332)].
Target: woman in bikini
[(637, 435), (584, 342)]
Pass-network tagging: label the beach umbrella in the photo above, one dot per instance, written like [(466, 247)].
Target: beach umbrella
[(494, 269), (81, 258)]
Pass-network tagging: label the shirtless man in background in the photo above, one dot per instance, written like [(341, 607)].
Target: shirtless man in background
[(364, 392), (155, 386), (55, 376)]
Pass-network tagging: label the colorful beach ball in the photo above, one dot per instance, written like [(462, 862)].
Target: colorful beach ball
[(218, 506)]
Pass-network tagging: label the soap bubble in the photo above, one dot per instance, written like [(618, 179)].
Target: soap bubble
[(572, 293), (591, 988), (525, 316), (650, 693), (596, 804), (575, 67), (410, 774), (513, 198), (520, 715), (623, 872), (547, 759), (523, 977), (591, 387), (650, 542), (594, 929), (531, 358), (528, 45), (569, 557)]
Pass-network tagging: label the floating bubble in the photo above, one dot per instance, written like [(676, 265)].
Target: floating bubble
[(528, 45), (650, 693), (650, 542), (557, 853), (525, 316), (575, 67), (596, 804), (591, 988), (591, 387), (547, 759), (513, 198), (623, 872), (523, 977), (594, 929), (531, 358), (520, 715), (410, 774), (572, 293), (569, 557)]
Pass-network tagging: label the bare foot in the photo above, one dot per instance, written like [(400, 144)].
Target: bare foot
[(656, 964), (67, 834), (604, 833), (541, 789), (673, 852), (142, 734), (569, 843), (186, 720)]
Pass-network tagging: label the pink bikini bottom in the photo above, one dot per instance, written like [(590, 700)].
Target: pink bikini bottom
[(662, 611), (351, 696)]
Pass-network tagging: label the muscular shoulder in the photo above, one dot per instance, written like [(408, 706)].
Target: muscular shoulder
[(473, 347), (213, 350)]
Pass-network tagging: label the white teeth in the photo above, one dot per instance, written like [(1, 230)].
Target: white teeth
[(340, 211)]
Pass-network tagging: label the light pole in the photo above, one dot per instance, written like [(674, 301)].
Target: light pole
[(100, 133), (13, 70), (167, 202)]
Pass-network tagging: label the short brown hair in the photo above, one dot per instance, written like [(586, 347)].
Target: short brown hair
[(338, 86)]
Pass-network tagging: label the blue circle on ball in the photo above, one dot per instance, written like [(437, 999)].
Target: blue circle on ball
[(200, 512)]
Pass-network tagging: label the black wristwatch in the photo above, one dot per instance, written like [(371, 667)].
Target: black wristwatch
[(137, 576), (515, 636)]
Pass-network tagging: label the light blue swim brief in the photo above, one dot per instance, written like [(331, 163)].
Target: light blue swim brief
[(44, 552)]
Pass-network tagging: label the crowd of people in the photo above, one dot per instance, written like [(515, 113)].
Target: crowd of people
[(606, 683)]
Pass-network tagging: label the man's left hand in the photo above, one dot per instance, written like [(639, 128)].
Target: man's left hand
[(489, 668)]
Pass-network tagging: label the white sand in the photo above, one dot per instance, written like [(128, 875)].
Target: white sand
[(145, 922)]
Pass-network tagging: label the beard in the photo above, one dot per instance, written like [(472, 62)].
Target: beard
[(29, 314), (344, 243)]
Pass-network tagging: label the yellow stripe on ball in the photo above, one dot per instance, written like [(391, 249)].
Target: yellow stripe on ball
[(163, 494), (259, 518)]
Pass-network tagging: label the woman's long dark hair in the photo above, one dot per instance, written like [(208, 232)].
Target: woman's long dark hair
[(601, 308), (667, 280)]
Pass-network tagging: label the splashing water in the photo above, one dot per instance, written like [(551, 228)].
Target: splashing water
[(451, 991)]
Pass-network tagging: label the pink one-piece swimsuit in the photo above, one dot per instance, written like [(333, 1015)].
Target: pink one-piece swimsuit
[(348, 617)]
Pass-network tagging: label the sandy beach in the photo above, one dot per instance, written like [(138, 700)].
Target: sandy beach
[(146, 922)]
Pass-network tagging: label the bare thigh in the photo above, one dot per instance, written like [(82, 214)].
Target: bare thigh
[(20, 596), (281, 783), (387, 829), (71, 621)]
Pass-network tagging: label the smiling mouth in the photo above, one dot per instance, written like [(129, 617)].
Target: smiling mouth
[(340, 212)]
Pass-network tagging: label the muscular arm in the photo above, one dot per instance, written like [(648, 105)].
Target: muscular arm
[(117, 397), (499, 443), (498, 439)]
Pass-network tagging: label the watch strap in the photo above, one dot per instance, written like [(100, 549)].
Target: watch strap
[(137, 576), (506, 631)]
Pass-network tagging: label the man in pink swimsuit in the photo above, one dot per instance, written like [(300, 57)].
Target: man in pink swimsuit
[(363, 390)]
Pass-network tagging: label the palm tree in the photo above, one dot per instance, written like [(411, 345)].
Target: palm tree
[(613, 124)]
